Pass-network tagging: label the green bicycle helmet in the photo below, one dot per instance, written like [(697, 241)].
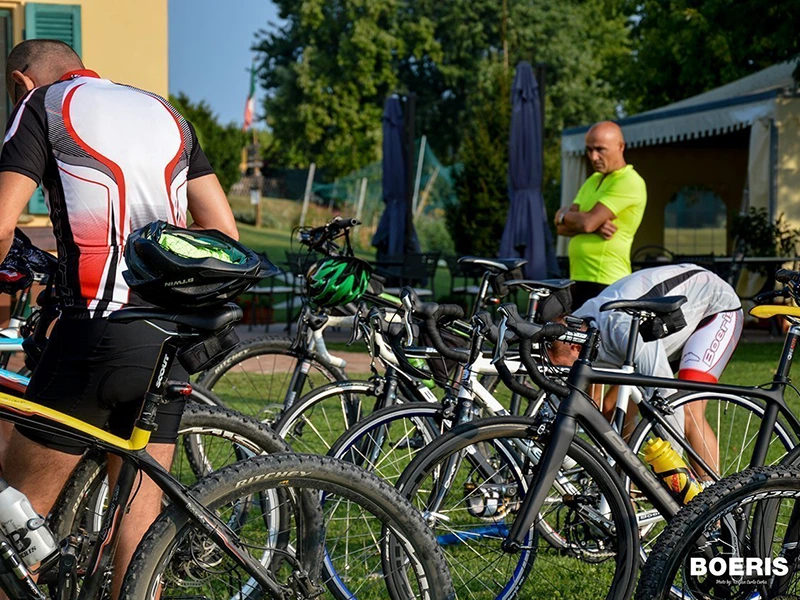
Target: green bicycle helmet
[(337, 280)]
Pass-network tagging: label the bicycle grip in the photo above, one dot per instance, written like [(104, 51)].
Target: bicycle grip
[(525, 356), (432, 327), (511, 383), (786, 276)]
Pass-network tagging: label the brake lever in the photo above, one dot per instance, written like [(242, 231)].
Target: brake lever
[(361, 313), (408, 312), (501, 347)]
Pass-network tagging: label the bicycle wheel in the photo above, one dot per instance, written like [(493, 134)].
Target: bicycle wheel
[(734, 424), (363, 518), (470, 483), (387, 441), (260, 377), (723, 529), (318, 419), (208, 439)]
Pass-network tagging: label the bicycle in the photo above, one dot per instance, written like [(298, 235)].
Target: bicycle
[(268, 482), (267, 375), (574, 411), (738, 539)]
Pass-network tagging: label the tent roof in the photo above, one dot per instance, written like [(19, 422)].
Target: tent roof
[(729, 107)]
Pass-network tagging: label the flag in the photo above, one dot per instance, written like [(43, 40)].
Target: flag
[(250, 105)]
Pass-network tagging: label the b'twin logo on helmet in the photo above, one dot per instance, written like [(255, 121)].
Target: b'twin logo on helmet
[(178, 282), (738, 569)]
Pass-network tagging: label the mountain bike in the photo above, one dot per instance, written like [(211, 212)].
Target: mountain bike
[(214, 536)]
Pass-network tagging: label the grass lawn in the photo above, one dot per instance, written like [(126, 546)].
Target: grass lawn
[(752, 364)]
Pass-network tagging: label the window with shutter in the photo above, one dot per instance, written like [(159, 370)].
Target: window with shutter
[(54, 22)]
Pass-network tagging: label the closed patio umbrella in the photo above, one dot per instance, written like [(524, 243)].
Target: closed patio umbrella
[(389, 238), (526, 233)]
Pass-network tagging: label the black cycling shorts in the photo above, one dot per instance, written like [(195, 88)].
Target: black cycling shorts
[(98, 372)]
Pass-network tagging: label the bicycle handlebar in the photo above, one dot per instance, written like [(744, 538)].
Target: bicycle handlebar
[(787, 276)]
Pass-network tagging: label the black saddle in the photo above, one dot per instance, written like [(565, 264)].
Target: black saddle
[(657, 306), (497, 265), (532, 285), (208, 319)]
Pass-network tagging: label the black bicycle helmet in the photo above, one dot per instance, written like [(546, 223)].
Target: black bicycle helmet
[(179, 268), (337, 280)]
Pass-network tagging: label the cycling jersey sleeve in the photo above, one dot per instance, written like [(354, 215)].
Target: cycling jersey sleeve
[(25, 144), (198, 162)]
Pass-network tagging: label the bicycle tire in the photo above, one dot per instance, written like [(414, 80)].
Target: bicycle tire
[(406, 429), (621, 548), (318, 419), (293, 472), (731, 412), (81, 500), (254, 377), (701, 517)]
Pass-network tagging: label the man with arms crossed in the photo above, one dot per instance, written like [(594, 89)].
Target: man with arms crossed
[(713, 316), (111, 158), (604, 216)]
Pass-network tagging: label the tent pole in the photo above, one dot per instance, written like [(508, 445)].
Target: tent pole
[(307, 195), (420, 160), (361, 197)]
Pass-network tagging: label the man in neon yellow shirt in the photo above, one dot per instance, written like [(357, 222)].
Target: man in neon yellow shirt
[(604, 216)]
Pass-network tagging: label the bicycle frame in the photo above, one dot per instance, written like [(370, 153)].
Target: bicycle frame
[(576, 409), (134, 459)]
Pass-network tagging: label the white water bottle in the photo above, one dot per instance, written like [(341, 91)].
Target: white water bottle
[(25, 529)]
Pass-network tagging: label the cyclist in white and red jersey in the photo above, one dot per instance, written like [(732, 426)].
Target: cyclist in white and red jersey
[(703, 348), (110, 159)]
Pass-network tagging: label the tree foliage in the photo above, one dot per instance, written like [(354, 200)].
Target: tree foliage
[(328, 70), (685, 47), (476, 223), (222, 144)]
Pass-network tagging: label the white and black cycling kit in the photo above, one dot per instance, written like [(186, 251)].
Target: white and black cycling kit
[(713, 316)]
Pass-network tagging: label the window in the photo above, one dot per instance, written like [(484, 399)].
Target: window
[(54, 22), (6, 41), (696, 222)]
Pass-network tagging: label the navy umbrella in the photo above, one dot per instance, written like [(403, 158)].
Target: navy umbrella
[(389, 238), (526, 233)]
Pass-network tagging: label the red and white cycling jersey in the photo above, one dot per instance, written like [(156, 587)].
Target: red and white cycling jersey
[(111, 158)]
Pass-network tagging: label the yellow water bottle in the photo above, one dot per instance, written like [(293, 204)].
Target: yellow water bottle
[(671, 468)]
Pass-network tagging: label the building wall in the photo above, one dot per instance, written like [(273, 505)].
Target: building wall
[(669, 168), (123, 40), (787, 121)]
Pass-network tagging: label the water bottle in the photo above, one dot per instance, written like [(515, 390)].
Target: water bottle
[(25, 529), (671, 468)]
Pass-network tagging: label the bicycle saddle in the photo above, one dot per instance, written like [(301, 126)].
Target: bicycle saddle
[(208, 319), (658, 306), (497, 265), (531, 285)]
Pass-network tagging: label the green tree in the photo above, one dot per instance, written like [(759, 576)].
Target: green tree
[(327, 73), (222, 144), (476, 222), (685, 47)]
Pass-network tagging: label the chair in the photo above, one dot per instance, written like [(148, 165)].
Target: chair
[(469, 274), (651, 256), (416, 269), (268, 288), (701, 260)]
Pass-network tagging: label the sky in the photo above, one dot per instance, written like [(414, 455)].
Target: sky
[(209, 51)]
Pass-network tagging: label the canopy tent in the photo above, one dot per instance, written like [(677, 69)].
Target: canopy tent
[(765, 102)]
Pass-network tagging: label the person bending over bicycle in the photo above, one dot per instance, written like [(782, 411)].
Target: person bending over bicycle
[(713, 315), (111, 158)]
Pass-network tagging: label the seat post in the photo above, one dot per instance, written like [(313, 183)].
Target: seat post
[(158, 384), (630, 354)]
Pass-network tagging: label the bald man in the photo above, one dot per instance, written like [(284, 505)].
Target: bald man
[(604, 216)]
